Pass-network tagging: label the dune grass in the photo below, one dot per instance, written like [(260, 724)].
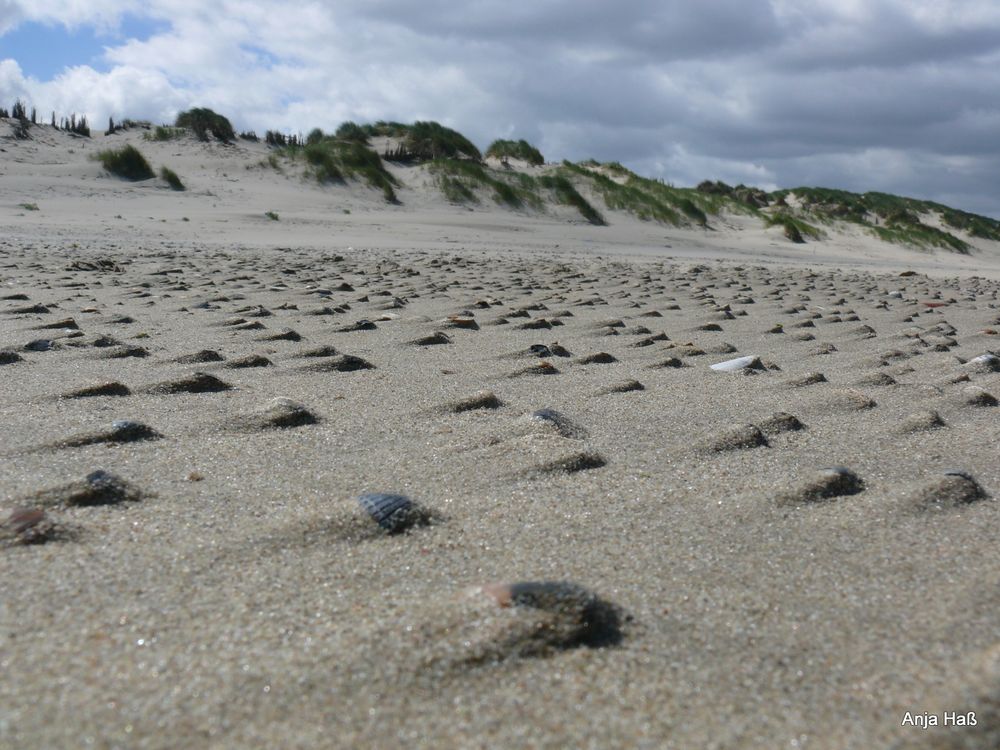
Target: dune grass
[(29, 206), (170, 177), (521, 149), (566, 194), (795, 228), (126, 162), (426, 141), (164, 133), (460, 178), (203, 122), (272, 215), (331, 160)]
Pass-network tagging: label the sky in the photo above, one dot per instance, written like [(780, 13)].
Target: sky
[(901, 96)]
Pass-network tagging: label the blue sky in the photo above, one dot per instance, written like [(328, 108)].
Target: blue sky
[(895, 95)]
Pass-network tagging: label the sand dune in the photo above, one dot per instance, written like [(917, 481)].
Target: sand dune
[(209, 424)]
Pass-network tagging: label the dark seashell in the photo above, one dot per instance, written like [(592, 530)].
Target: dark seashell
[(540, 350), (102, 342), (559, 350), (394, 513), (672, 362), (255, 326), (458, 321), (8, 357), (542, 368), (281, 413), (29, 526), (39, 345), (536, 324), (205, 355)]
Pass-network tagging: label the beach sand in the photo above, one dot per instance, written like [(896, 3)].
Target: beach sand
[(793, 554)]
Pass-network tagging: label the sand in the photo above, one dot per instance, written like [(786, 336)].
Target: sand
[(794, 554)]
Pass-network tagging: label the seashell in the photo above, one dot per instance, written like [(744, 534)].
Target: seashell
[(781, 422), (286, 335), (127, 431), (740, 364), (625, 386), (988, 362), (65, 323), (457, 321), (28, 526), (8, 357), (540, 350), (827, 483), (394, 513), (39, 345)]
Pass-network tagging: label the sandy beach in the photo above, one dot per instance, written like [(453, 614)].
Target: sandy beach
[(795, 550)]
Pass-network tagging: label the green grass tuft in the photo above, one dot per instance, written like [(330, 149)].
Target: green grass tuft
[(795, 229), (29, 206), (204, 121), (171, 178), (506, 150), (126, 162), (568, 195), (164, 133), (272, 215), (460, 178)]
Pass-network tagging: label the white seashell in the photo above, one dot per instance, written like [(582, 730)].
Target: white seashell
[(740, 363)]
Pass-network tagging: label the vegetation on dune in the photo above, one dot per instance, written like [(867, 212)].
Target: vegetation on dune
[(460, 179), (624, 197), (568, 195), (795, 228), (203, 122), (893, 218), (351, 131), (331, 160), (272, 215), (427, 141), (507, 150), (164, 133), (126, 162), (170, 177)]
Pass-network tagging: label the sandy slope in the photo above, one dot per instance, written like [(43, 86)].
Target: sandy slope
[(225, 589)]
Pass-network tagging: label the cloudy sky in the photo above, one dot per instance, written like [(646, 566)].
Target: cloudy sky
[(895, 95)]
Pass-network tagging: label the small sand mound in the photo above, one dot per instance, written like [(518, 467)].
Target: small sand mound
[(973, 395), (569, 463), (125, 352), (626, 386), (920, 421), (343, 363), (199, 382), (97, 488), (111, 388), (781, 422), (434, 339), (542, 368), (320, 351), (825, 484), (286, 335), (121, 431), (8, 357), (600, 358), (952, 489), (848, 400), (558, 421), (809, 378), (876, 379), (734, 437), (205, 355), (480, 400), (28, 526), (281, 413), (668, 363), (250, 360)]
